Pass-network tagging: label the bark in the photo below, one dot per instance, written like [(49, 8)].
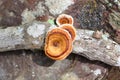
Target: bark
[(31, 36), (28, 36)]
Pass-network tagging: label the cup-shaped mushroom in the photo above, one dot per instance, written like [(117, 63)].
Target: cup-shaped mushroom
[(58, 44), (70, 28), (64, 19)]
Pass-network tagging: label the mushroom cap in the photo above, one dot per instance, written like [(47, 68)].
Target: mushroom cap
[(70, 28), (58, 44), (64, 19)]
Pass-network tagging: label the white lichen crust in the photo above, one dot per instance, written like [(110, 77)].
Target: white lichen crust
[(96, 72), (10, 37), (35, 30), (27, 16), (30, 15), (58, 6), (28, 36), (39, 9)]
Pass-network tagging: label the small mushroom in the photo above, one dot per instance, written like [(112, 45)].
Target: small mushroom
[(64, 19), (70, 29), (58, 44)]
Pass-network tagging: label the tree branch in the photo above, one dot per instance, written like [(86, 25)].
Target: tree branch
[(31, 36)]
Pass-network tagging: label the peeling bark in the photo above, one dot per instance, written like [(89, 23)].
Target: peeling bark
[(31, 36)]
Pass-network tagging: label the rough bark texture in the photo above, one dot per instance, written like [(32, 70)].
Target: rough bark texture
[(31, 36), (104, 50)]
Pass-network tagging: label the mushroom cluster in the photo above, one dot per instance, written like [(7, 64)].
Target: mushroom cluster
[(58, 43)]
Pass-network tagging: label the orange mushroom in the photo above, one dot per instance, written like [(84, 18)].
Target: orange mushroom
[(70, 29), (64, 19), (58, 44)]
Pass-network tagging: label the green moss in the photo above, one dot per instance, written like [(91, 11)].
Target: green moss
[(51, 21)]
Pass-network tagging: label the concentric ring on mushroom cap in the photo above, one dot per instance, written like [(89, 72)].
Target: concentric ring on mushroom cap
[(70, 29), (58, 44), (64, 19)]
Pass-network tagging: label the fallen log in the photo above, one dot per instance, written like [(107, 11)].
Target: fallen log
[(32, 36)]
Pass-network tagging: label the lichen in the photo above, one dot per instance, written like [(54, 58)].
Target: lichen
[(96, 72), (30, 15), (19, 31), (11, 37), (58, 6), (35, 42), (105, 36), (39, 10), (35, 30), (27, 16)]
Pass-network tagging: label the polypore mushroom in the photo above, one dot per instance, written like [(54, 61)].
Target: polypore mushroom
[(58, 44), (64, 19), (70, 29)]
